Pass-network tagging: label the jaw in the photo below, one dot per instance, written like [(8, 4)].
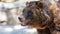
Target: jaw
[(37, 26)]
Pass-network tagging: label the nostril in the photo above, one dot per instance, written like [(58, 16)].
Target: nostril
[(20, 19)]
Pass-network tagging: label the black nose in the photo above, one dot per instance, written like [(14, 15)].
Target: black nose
[(20, 19)]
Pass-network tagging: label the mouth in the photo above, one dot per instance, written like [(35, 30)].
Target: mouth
[(33, 24)]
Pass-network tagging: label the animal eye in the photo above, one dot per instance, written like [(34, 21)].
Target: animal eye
[(30, 14)]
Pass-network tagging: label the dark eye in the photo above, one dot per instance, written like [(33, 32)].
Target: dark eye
[(30, 14)]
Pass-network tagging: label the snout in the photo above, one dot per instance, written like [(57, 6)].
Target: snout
[(23, 21), (20, 19)]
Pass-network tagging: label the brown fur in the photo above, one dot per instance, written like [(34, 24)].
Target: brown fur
[(55, 8), (42, 20)]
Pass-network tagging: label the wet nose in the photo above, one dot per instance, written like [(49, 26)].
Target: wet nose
[(20, 19)]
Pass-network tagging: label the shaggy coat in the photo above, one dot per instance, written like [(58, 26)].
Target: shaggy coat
[(41, 16)]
